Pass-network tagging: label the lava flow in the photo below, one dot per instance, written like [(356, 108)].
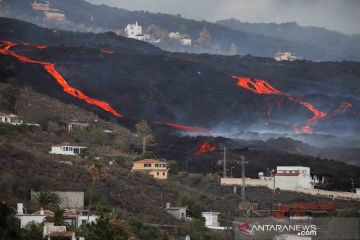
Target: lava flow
[(260, 86), (204, 148), (106, 51), (342, 108), (50, 68), (184, 127)]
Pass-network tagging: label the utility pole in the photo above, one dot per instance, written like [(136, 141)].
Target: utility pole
[(243, 178), (224, 173), (242, 204)]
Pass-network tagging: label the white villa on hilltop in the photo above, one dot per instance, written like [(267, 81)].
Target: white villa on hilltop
[(67, 149)]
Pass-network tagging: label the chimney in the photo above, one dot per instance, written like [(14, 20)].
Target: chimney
[(41, 211), (168, 205), (20, 208)]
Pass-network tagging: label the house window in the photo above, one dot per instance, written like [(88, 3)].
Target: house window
[(163, 173), (147, 165), (157, 173), (156, 165)]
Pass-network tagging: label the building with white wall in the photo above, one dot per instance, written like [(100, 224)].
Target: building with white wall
[(181, 38), (67, 149), (212, 220), (10, 119), (285, 56), (180, 213), (292, 177), (134, 31), (36, 217)]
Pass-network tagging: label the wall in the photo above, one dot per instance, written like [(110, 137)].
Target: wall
[(286, 182), (68, 200), (25, 219), (331, 194), (248, 182)]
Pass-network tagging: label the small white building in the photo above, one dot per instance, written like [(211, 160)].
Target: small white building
[(36, 217), (78, 219), (212, 220), (134, 31), (180, 213), (285, 56), (50, 231), (292, 177), (183, 40), (67, 149), (77, 125), (10, 119)]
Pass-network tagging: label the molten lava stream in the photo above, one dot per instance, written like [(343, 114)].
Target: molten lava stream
[(260, 86), (184, 127), (50, 68), (204, 148), (106, 51)]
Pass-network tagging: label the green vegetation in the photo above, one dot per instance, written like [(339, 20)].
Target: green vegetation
[(146, 231), (6, 128), (47, 200), (193, 205)]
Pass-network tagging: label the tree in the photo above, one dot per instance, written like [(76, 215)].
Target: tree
[(204, 37), (32, 231), (233, 49), (144, 135), (107, 229), (146, 231), (193, 205), (48, 200), (9, 224)]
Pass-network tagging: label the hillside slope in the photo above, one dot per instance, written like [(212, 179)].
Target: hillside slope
[(345, 45), (142, 82), (84, 16)]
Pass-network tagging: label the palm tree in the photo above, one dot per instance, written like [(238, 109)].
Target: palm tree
[(48, 200)]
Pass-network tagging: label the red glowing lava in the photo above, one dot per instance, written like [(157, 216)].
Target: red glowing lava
[(106, 51), (50, 68), (307, 129), (260, 86), (204, 148), (184, 127), (341, 109)]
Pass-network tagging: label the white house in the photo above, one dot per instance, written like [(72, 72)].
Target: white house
[(212, 220), (78, 219), (134, 31), (67, 149), (180, 213), (36, 217), (293, 177), (50, 232), (10, 119), (183, 40), (285, 56)]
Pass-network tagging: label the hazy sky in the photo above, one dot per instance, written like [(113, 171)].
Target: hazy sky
[(340, 15)]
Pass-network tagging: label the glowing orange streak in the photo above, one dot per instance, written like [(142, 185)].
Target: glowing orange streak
[(205, 147), (50, 68), (106, 51), (262, 87), (184, 127)]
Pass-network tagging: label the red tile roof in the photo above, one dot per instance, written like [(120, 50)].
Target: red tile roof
[(150, 161)]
